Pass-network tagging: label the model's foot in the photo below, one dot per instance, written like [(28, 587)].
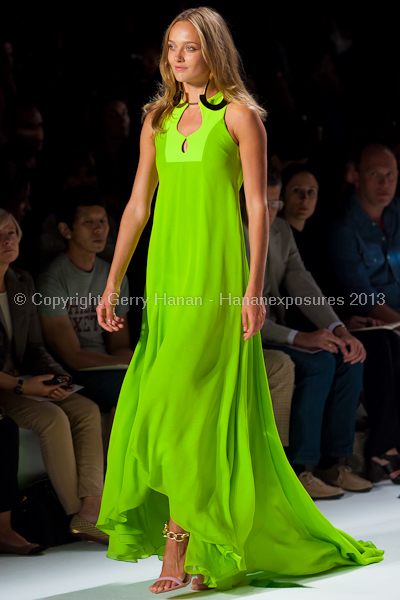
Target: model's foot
[(198, 584), (173, 562)]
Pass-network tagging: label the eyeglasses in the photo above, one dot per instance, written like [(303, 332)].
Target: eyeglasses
[(276, 204)]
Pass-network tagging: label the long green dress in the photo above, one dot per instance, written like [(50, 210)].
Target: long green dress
[(194, 434)]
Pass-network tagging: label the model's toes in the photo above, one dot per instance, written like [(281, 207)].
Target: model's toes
[(161, 586), (198, 584)]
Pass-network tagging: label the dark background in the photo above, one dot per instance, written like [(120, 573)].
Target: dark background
[(328, 75), (66, 54)]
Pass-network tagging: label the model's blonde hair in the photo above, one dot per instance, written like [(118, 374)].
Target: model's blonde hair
[(6, 218), (219, 53)]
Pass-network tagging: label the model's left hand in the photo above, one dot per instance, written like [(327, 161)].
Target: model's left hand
[(354, 351), (253, 314)]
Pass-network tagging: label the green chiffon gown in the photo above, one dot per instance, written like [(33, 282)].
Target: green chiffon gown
[(194, 435)]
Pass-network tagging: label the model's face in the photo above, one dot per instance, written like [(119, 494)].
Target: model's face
[(90, 229), (185, 56), (9, 244), (300, 197), (273, 195), (376, 179)]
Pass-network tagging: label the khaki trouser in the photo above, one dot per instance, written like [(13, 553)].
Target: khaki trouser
[(69, 431), (280, 373)]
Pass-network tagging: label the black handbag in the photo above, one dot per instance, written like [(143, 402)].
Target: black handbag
[(40, 518)]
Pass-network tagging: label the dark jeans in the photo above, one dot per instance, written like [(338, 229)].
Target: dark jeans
[(102, 387), (382, 389), (9, 447), (324, 405)]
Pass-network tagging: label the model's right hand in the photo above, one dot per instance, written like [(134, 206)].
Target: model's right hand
[(322, 338), (35, 386), (106, 316)]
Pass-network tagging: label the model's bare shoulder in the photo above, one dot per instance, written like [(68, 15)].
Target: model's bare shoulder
[(243, 119), (148, 121), (147, 134), (242, 109)]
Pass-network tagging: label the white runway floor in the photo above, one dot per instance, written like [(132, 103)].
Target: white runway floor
[(81, 571)]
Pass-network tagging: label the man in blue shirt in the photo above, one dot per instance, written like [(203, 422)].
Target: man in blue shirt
[(365, 238), (364, 248)]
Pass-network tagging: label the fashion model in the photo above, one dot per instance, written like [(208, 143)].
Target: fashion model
[(196, 471)]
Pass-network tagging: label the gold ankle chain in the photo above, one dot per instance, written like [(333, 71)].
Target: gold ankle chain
[(171, 535)]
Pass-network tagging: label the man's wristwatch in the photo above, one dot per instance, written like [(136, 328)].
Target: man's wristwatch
[(18, 388), (341, 325)]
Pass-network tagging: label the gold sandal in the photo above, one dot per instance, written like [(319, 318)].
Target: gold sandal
[(179, 583)]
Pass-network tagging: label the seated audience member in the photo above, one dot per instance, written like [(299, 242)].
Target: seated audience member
[(68, 426), (364, 247), (328, 383), (300, 194), (364, 241), (280, 373), (74, 282), (10, 541), (15, 192), (78, 168)]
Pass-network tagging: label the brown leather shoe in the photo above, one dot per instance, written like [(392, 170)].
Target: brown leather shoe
[(343, 475), (317, 489)]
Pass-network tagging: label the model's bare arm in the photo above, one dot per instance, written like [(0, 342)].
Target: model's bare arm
[(246, 127), (134, 219)]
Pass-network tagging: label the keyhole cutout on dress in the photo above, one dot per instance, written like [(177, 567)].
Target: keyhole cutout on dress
[(187, 127)]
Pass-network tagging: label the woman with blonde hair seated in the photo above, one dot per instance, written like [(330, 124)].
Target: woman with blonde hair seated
[(68, 425)]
